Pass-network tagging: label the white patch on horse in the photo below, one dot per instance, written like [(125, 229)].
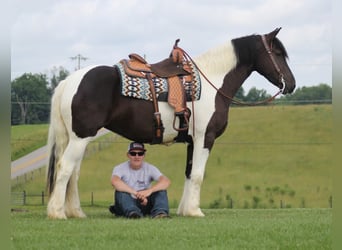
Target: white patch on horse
[(217, 62)]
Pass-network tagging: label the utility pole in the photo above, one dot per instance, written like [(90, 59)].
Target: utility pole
[(78, 58)]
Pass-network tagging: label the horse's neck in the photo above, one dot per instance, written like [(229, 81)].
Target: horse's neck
[(234, 79), (216, 62), (231, 84)]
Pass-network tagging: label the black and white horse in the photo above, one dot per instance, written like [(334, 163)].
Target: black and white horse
[(90, 99)]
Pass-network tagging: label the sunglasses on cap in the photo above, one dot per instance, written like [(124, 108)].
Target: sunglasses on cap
[(132, 153)]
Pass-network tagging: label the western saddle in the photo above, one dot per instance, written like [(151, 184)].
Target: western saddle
[(177, 69)]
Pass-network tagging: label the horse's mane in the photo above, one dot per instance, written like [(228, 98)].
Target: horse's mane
[(246, 47), (218, 60)]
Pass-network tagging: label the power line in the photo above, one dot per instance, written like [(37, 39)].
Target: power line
[(79, 57)]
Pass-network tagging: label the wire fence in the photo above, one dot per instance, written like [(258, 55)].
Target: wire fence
[(40, 199), (36, 199)]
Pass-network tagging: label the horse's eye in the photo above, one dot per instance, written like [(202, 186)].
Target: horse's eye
[(277, 52)]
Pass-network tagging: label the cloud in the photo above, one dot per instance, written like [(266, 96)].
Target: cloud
[(47, 34)]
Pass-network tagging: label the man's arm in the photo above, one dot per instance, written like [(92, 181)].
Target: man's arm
[(121, 186)]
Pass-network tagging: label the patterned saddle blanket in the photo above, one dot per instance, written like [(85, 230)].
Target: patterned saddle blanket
[(137, 86)]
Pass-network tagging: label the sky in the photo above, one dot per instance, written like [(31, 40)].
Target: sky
[(46, 34)]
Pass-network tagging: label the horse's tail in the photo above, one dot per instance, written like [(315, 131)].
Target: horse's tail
[(58, 138)]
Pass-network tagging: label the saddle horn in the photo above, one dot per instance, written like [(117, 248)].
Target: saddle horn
[(176, 43), (176, 53)]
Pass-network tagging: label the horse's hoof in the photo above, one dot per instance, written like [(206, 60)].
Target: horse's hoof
[(194, 213), (57, 216), (197, 213), (56, 213), (76, 213)]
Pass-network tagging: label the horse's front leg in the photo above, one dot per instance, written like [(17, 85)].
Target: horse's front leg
[(190, 202)]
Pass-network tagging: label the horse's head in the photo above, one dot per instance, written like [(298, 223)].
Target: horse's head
[(271, 62)]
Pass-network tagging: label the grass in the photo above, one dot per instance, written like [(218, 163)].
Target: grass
[(27, 138), (220, 229), (268, 157)]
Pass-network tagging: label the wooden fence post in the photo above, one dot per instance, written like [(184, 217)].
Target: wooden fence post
[(330, 201), (24, 197), (230, 203), (42, 197)]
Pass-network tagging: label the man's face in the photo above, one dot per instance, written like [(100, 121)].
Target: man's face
[(136, 158)]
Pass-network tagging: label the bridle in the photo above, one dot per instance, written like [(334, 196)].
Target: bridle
[(270, 53)]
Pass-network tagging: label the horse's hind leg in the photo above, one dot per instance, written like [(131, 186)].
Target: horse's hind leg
[(58, 204), (72, 200)]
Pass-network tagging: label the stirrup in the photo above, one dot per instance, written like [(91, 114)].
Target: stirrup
[(183, 120)]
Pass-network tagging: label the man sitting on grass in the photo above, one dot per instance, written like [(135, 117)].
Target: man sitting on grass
[(135, 196)]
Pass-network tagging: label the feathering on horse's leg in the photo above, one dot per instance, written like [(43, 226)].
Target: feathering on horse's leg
[(55, 208), (190, 202), (72, 200), (74, 154)]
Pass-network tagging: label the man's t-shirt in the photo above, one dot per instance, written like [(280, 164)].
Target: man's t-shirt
[(139, 179)]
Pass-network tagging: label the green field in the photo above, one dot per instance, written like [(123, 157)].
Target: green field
[(268, 157), (221, 229), (27, 138)]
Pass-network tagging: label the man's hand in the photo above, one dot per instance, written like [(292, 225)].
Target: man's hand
[(143, 194), (143, 202)]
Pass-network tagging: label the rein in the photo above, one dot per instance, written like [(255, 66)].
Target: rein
[(234, 101)]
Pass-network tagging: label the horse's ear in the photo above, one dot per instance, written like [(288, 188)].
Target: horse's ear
[(273, 34)]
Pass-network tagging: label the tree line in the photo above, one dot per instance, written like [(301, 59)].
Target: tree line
[(31, 94)]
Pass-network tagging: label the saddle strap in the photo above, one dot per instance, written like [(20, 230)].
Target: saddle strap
[(159, 124)]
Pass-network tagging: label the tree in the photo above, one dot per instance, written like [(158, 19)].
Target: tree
[(240, 94), (58, 74), (30, 97), (314, 94), (255, 95)]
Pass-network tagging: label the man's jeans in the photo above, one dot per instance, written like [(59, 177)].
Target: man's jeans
[(126, 204)]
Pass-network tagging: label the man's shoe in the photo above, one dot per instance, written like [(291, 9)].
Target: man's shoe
[(161, 216), (112, 209), (134, 215)]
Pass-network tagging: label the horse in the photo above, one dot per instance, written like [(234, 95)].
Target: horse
[(89, 99)]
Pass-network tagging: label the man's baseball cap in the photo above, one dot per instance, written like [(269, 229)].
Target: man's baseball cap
[(136, 146)]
